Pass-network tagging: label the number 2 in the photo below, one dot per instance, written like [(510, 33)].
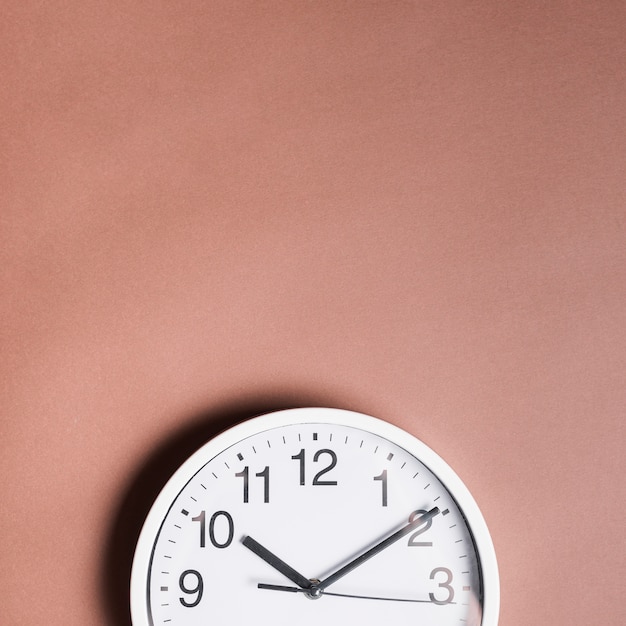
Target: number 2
[(421, 529)]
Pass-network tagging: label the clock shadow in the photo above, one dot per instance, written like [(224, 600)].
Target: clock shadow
[(150, 478)]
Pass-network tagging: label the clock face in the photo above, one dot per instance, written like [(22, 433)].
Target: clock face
[(314, 516)]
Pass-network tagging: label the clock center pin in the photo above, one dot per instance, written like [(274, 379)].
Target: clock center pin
[(314, 592)]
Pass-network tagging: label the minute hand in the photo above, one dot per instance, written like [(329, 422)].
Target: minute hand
[(379, 547)]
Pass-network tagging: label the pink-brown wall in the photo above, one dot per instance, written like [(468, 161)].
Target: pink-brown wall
[(411, 209)]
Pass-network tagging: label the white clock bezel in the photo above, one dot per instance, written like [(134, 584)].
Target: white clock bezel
[(454, 485)]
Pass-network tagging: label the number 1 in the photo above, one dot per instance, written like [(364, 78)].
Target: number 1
[(383, 479)]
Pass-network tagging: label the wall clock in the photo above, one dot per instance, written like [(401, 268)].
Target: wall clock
[(314, 516)]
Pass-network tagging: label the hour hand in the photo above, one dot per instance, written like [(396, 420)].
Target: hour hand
[(271, 559)]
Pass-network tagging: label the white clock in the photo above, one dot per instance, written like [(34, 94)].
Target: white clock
[(314, 516)]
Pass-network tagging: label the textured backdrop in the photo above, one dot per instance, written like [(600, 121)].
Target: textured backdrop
[(411, 209)]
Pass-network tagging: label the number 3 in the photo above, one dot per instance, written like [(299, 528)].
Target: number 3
[(443, 585)]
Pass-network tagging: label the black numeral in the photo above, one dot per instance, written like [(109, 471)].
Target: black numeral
[(300, 457), (231, 529), (265, 474), (317, 478), (443, 585), (333, 462), (230, 533), (199, 587), (244, 474), (383, 479), (202, 519), (421, 529)]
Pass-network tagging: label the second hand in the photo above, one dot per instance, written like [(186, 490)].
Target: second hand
[(341, 595)]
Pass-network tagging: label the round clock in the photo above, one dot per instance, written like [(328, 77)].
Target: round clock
[(314, 516)]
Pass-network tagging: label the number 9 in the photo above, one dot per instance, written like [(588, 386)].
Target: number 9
[(199, 588)]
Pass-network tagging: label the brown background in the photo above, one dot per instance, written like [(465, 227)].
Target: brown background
[(410, 209)]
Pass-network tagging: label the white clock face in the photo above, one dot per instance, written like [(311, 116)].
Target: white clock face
[(309, 517)]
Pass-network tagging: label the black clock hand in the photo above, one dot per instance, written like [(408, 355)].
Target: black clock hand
[(271, 559), (316, 589), (379, 547), (343, 595)]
